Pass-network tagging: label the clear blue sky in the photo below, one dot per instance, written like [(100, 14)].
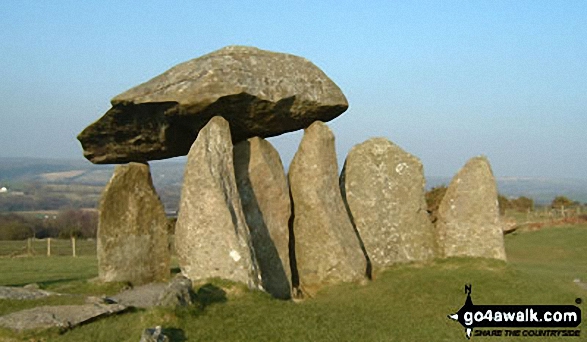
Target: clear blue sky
[(445, 80)]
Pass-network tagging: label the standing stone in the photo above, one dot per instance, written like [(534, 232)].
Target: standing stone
[(327, 248), (383, 188), (133, 243), (468, 216), (212, 237), (264, 195)]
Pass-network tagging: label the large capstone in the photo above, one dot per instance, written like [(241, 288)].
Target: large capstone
[(468, 216), (133, 244), (264, 194), (383, 188), (327, 248), (260, 93), (211, 236)]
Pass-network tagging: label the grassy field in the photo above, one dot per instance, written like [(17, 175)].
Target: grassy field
[(405, 303)]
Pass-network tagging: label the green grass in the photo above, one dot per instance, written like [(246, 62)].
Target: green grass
[(47, 271), (405, 303), (559, 251)]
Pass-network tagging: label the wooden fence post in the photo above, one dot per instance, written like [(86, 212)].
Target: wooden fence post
[(29, 246), (73, 246), (48, 247)]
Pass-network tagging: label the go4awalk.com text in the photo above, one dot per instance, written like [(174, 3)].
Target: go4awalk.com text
[(528, 318)]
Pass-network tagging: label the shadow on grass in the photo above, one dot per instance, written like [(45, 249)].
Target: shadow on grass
[(49, 283), (210, 294), (175, 334)]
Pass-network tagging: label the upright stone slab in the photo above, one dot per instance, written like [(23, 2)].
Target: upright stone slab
[(468, 216), (212, 237), (133, 244), (264, 195), (383, 188), (326, 246)]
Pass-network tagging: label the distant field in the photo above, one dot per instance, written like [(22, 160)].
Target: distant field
[(42, 213), (39, 184), (406, 303), (58, 176)]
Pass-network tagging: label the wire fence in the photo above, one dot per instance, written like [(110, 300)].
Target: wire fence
[(55, 247), (48, 247), (552, 214)]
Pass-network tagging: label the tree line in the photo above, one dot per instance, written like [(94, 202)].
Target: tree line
[(80, 223), (43, 201)]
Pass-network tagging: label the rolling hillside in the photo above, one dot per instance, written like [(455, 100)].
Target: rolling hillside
[(78, 183)]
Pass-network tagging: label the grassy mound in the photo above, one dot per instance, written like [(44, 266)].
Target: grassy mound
[(405, 303)]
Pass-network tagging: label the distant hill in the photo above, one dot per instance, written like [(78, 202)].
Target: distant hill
[(37, 183), (77, 171), (27, 169), (81, 182)]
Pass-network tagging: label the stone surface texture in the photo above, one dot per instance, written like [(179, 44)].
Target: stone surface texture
[(383, 188), (63, 316), (177, 293), (327, 248), (23, 293), (211, 236), (143, 296), (264, 195), (154, 335), (261, 93), (468, 216), (133, 243)]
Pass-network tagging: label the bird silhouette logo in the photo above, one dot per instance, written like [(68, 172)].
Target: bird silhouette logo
[(459, 315)]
